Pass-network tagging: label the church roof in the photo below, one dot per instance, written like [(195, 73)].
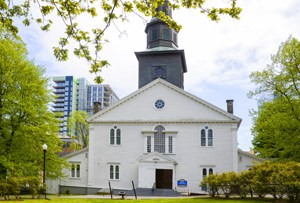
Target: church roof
[(250, 155), (76, 153), (164, 50), (160, 81)]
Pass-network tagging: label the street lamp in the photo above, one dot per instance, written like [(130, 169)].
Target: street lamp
[(44, 172)]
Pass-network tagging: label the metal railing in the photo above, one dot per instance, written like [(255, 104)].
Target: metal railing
[(153, 188)]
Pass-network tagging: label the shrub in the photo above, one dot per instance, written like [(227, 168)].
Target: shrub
[(34, 185), (4, 188), (276, 179)]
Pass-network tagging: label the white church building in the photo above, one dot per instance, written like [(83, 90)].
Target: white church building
[(160, 136)]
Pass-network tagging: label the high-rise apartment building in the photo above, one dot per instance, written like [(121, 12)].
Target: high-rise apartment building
[(78, 94), (99, 93), (64, 88)]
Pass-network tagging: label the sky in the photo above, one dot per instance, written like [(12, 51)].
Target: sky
[(220, 56)]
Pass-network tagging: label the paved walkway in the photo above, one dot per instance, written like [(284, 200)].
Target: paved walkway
[(118, 197)]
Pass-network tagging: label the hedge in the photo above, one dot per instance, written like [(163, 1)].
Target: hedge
[(276, 179), (14, 185)]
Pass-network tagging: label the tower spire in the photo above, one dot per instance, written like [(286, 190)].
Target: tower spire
[(159, 34), (162, 59)]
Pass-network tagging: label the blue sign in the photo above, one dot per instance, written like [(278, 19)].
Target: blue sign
[(181, 183)]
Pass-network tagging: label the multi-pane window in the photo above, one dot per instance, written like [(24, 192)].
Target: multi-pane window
[(205, 173), (206, 137), (115, 136), (210, 171), (114, 172), (159, 139), (203, 138), (210, 137), (148, 144), (75, 170), (118, 136), (170, 144)]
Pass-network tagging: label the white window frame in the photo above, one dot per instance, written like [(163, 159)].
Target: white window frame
[(208, 168), (115, 136), (113, 171), (75, 164), (150, 138), (206, 129)]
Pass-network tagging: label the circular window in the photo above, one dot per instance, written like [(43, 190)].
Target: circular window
[(159, 72), (159, 104)]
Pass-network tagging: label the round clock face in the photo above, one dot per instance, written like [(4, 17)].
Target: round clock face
[(159, 104), (159, 72)]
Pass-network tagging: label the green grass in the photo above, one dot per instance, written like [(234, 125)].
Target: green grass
[(177, 200)]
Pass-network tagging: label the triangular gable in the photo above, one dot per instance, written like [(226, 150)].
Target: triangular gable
[(156, 157), (76, 153), (249, 155), (170, 86)]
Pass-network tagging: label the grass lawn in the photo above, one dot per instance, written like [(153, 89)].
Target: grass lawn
[(178, 200)]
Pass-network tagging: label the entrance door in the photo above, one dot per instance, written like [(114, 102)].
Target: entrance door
[(163, 178)]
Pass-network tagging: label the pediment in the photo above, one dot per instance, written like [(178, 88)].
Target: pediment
[(156, 157), (180, 106)]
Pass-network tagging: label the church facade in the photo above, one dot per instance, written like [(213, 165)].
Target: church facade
[(160, 136)]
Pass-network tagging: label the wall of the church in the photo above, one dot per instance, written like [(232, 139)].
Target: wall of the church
[(247, 160), (190, 156), (75, 180)]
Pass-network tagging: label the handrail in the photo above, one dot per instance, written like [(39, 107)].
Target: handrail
[(153, 187), (134, 190)]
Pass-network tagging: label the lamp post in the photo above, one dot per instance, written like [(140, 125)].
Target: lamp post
[(44, 172)]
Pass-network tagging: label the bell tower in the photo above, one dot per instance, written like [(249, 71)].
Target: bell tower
[(162, 58)]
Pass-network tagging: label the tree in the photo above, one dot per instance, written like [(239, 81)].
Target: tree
[(111, 11), (78, 127), (25, 121), (276, 126)]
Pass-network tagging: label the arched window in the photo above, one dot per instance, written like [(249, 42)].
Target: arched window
[(204, 173), (118, 136), (159, 139), (111, 172), (114, 172), (75, 170), (203, 137), (112, 136), (210, 137), (117, 172), (210, 171), (206, 137), (115, 136)]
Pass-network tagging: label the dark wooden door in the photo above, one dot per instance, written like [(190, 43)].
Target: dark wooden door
[(164, 178)]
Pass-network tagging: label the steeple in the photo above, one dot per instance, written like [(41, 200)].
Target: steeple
[(159, 34), (161, 59)]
